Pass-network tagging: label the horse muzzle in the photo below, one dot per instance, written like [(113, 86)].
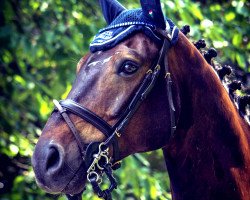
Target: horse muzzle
[(58, 168)]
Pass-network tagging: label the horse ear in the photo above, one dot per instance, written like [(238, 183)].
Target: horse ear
[(111, 9), (152, 10)]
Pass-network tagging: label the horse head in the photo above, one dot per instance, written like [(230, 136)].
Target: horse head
[(142, 87), (112, 80)]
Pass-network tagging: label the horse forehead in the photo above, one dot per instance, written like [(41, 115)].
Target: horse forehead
[(139, 46), (138, 42), (142, 43)]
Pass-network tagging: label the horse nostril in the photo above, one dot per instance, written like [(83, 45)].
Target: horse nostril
[(54, 160)]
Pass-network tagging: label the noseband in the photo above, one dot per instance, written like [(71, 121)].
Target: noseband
[(96, 154)]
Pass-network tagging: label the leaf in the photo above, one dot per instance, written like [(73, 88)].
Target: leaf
[(230, 16), (196, 12), (240, 60), (237, 39), (13, 149)]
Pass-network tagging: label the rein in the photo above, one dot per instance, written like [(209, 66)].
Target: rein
[(96, 154)]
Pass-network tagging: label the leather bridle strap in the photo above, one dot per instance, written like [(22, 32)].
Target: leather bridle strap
[(87, 115), (166, 45), (77, 136), (170, 97)]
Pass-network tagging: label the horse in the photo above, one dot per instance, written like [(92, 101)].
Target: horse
[(135, 94)]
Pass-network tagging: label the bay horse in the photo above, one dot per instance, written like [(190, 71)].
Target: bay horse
[(138, 95)]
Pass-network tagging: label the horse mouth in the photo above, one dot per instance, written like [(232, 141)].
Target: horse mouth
[(77, 183), (61, 184)]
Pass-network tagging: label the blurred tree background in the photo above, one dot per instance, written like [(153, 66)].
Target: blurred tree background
[(41, 42)]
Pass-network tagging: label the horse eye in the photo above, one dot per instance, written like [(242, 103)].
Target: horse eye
[(128, 68)]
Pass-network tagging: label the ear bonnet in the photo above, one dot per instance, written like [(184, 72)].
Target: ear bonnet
[(123, 23)]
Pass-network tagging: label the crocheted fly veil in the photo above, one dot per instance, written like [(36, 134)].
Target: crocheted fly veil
[(123, 23)]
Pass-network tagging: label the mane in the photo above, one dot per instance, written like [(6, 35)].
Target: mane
[(239, 94)]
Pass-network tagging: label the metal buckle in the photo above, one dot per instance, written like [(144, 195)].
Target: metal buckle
[(167, 75), (117, 133), (150, 71), (157, 67)]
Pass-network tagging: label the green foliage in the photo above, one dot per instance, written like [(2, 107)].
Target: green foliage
[(40, 44), (225, 26)]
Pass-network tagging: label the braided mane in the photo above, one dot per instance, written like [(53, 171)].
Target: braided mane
[(238, 93)]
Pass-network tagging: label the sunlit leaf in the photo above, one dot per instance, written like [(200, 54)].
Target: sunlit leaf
[(230, 16), (240, 60), (237, 39), (14, 149), (196, 12)]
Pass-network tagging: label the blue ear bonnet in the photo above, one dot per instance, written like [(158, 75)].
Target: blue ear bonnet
[(126, 24)]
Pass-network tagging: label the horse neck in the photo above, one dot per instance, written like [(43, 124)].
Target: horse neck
[(209, 155)]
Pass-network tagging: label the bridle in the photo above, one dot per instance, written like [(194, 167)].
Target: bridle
[(95, 154)]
